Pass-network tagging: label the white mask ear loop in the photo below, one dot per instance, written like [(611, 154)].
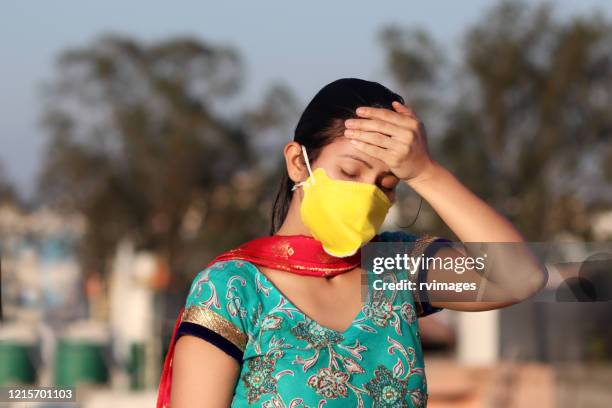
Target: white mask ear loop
[(296, 185)]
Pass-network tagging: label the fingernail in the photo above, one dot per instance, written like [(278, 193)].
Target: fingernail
[(361, 110), (349, 132), (348, 123), (355, 142)]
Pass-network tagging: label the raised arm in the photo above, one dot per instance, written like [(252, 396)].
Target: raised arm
[(512, 274), (398, 138)]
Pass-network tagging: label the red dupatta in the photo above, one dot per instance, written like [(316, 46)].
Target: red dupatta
[(298, 254)]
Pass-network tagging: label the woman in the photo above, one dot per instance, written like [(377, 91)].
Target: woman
[(281, 321)]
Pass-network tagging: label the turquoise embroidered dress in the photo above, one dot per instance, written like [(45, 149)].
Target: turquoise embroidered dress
[(289, 360)]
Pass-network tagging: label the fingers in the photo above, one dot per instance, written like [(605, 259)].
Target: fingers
[(374, 138), (403, 109), (375, 125), (403, 116), (403, 119), (393, 158), (380, 113), (372, 150), (378, 126)]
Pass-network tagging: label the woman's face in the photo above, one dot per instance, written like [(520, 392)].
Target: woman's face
[(342, 161)]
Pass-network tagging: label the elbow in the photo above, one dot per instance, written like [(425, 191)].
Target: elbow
[(536, 281)]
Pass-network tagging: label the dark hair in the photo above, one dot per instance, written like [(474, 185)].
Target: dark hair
[(323, 120)]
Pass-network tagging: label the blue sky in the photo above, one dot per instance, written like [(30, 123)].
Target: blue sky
[(304, 44)]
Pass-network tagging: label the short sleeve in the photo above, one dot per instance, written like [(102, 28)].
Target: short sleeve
[(216, 308), (425, 245)]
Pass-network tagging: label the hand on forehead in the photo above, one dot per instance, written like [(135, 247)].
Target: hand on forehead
[(342, 149)]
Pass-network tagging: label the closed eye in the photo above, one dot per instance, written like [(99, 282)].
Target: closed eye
[(348, 175)]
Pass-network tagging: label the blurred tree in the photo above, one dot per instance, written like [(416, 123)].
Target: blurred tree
[(529, 126), (136, 147), (7, 191), (274, 121), (416, 65), (7, 196)]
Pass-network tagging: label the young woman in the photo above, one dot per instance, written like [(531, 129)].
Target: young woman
[(282, 321)]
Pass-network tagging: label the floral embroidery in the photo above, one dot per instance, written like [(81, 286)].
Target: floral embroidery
[(383, 310), (234, 301), (329, 383), (386, 390), (377, 362), (380, 312), (256, 314), (271, 322), (408, 313), (316, 335), (259, 379), (418, 398)]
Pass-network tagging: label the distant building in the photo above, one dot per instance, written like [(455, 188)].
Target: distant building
[(41, 277)]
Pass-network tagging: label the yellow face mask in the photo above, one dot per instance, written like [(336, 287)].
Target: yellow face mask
[(342, 215)]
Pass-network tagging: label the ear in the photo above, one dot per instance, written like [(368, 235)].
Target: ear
[(296, 166)]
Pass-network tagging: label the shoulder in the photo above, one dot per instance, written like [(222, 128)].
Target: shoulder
[(219, 306), (230, 267), (222, 274), (226, 287)]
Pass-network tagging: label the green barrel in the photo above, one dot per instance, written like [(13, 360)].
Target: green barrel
[(16, 366), (80, 361), (136, 366)]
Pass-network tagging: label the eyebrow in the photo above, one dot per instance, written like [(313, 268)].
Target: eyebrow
[(368, 165)]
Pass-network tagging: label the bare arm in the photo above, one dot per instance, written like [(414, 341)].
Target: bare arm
[(469, 217), (203, 376), (514, 276), (398, 138)]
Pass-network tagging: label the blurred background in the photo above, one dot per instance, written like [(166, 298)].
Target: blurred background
[(139, 140)]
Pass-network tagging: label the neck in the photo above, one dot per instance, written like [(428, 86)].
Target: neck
[(293, 225)]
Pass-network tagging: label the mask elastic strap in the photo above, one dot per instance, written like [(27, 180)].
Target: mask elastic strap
[(296, 185)]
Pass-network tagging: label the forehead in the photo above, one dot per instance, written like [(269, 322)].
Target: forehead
[(342, 148)]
